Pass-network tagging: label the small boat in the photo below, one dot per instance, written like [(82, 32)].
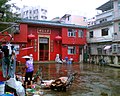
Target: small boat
[(60, 84)]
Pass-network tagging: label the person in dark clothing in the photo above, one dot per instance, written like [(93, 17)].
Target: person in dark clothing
[(29, 71)]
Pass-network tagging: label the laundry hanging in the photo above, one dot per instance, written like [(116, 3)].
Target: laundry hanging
[(8, 61)]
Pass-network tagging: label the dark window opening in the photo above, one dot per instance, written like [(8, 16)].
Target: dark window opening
[(91, 34), (105, 32)]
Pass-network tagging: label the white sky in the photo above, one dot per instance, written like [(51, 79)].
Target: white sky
[(58, 8)]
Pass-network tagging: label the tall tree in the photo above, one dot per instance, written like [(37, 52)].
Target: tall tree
[(6, 8)]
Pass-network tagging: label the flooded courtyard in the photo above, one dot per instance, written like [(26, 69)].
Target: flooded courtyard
[(91, 79)]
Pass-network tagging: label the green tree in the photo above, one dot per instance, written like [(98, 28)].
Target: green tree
[(6, 8)]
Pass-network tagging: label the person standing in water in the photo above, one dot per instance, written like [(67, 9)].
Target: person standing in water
[(29, 71)]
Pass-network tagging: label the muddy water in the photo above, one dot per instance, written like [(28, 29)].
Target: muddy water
[(91, 80)]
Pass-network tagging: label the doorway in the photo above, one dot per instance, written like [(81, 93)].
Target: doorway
[(81, 54), (43, 49)]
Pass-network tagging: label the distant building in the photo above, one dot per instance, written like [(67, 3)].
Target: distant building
[(72, 19), (35, 13), (91, 21)]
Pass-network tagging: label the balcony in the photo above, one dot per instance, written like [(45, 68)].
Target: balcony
[(99, 39), (116, 15), (106, 14)]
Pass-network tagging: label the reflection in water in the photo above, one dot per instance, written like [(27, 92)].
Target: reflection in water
[(58, 66), (91, 80), (69, 69)]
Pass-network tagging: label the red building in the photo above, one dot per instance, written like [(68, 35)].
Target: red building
[(45, 39)]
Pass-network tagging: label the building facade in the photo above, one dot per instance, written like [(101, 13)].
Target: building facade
[(52, 38), (35, 13), (72, 19), (116, 35), (45, 39), (100, 35)]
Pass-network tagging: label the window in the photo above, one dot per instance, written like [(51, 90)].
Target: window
[(30, 17), (103, 20), (99, 50), (105, 32), (44, 10), (114, 48), (26, 12), (81, 49), (43, 40), (119, 26), (43, 17), (35, 11), (36, 17), (118, 4), (71, 32), (118, 50), (30, 11), (71, 50), (80, 33), (91, 34)]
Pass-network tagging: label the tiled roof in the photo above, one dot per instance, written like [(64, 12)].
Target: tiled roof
[(51, 23)]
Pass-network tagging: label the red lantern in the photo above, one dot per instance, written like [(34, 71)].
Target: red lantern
[(31, 36), (58, 38)]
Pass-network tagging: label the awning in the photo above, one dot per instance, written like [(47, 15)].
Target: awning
[(107, 47)]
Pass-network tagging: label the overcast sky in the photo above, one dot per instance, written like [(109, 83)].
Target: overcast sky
[(57, 8)]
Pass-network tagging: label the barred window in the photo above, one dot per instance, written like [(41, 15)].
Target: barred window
[(71, 50), (80, 33), (71, 32)]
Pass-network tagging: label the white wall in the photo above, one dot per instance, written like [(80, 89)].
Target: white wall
[(97, 36), (32, 15)]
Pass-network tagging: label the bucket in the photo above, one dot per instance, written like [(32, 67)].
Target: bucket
[(69, 62), (2, 88)]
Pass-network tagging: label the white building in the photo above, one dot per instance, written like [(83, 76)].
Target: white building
[(100, 35), (36, 13), (91, 21), (116, 35), (72, 19)]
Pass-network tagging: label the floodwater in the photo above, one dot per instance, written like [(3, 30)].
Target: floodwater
[(91, 80)]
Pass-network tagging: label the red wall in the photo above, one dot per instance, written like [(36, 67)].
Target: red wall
[(22, 36), (72, 41), (58, 48), (56, 45), (21, 39)]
